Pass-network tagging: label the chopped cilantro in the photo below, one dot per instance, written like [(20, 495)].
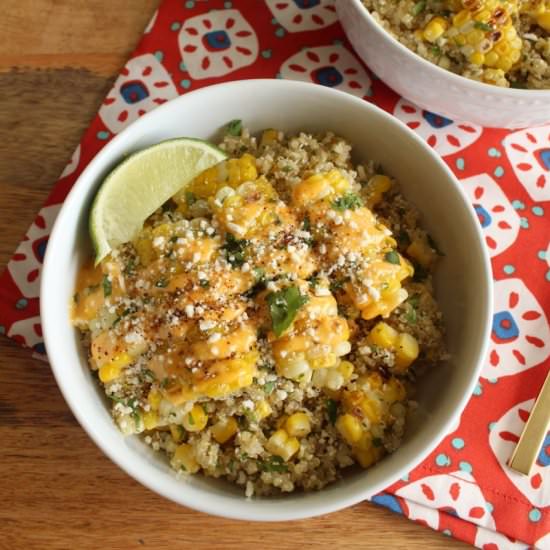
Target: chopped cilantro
[(269, 387), (190, 198), (161, 283), (234, 250), (190, 419), (130, 267), (411, 315), (414, 300), (313, 281), (332, 410), (349, 201), (306, 224), (107, 287), (204, 283), (274, 463), (283, 307), (419, 7), (436, 50), (392, 257), (234, 127), (483, 26), (259, 273)]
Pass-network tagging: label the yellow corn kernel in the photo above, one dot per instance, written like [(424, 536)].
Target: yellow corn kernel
[(320, 186), (406, 351), (377, 186), (368, 456), (298, 424), (421, 251), (434, 29), (224, 430), (184, 459), (346, 370), (150, 420), (491, 59), (383, 335), (144, 248), (350, 428), (323, 361), (505, 63), (154, 398), (195, 420), (461, 18), (112, 370), (177, 432), (543, 20), (282, 445), (477, 58), (269, 136), (262, 410), (394, 391)]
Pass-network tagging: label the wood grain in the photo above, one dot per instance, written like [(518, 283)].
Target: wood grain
[(57, 60)]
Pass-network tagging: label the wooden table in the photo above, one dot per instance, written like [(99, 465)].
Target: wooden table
[(58, 59)]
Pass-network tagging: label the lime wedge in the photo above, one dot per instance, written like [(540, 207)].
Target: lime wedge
[(141, 184)]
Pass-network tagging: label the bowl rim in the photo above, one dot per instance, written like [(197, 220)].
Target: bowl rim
[(459, 80), (222, 505)]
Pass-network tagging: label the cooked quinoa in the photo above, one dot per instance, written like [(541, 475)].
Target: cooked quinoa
[(268, 324), (501, 42)]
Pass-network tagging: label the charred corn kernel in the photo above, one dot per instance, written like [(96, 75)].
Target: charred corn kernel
[(150, 420), (224, 430), (184, 459), (346, 370), (543, 20), (112, 370), (422, 252), (434, 29), (269, 136), (350, 428), (177, 432), (262, 410), (383, 335), (406, 351), (195, 420), (282, 445), (154, 398), (298, 424), (376, 188)]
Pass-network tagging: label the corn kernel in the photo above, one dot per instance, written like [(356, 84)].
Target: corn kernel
[(477, 58), (176, 431), (195, 420), (350, 428), (112, 370), (461, 18), (367, 457), (394, 391), (150, 420), (543, 20), (383, 335), (263, 409), (269, 136), (419, 249), (491, 59), (406, 351), (377, 186), (282, 445), (184, 459), (346, 370), (154, 398), (298, 424), (224, 430), (434, 29)]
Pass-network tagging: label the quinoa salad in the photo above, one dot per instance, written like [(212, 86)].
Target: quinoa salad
[(500, 42), (268, 324)]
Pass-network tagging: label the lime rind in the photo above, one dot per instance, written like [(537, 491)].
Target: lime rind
[(142, 183)]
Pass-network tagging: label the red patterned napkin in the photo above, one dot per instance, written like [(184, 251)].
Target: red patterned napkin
[(464, 489)]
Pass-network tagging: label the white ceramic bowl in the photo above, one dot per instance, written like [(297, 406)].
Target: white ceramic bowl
[(463, 282), (434, 88)]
